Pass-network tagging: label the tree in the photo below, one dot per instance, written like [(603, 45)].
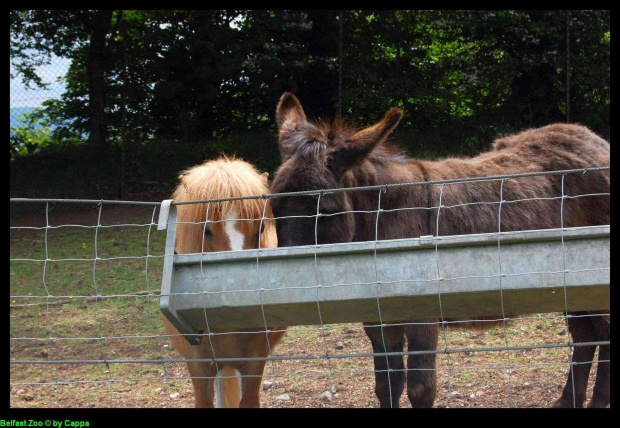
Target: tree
[(95, 68), (143, 76), (35, 34)]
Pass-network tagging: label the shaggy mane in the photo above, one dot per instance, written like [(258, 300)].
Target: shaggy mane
[(312, 139), (222, 178)]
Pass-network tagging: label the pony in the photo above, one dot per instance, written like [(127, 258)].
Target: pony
[(330, 154), (231, 225)]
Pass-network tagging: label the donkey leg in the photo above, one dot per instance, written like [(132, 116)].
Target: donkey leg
[(601, 395), (389, 370), (202, 374), (421, 369), (202, 380), (581, 331), (251, 377)]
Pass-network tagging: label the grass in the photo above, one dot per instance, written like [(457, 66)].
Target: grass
[(125, 259)]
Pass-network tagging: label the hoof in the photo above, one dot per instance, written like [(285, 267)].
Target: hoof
[(598, 404), (566, 403)]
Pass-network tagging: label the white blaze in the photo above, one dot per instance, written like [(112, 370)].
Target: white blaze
[(235, 237)]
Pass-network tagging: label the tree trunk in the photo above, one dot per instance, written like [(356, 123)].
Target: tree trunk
[(95, 65), (124, 86), (567, 68), (340, 24)]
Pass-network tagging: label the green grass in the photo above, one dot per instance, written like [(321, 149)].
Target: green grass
[(117, 264)]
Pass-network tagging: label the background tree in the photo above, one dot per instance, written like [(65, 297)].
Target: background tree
[(150, 92)]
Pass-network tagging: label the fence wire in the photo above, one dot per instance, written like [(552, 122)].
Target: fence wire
[(86, 330)]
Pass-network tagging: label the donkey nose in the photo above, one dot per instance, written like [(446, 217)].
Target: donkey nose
[(286, 242), (287, 239)]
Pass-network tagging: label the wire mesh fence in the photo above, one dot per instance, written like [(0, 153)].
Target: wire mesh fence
[(86, 330)]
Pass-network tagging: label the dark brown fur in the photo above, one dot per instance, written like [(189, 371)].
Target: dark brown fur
[(330, 155)]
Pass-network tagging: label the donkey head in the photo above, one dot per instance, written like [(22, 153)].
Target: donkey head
[(316, 156)]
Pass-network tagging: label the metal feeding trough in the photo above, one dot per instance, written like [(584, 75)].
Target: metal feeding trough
[(422, 278)]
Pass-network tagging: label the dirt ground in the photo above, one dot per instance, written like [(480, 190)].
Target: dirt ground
[(469, 379), (476, 379)]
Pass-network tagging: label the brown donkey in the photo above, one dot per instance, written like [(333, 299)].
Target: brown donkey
[(325, 155)]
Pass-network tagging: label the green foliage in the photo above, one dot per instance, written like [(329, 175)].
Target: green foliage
[(177, 77), (152, 168), (30, 136), (36, 132), (36, 34)]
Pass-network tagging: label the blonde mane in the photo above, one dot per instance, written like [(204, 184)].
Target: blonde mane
[(216, 179)]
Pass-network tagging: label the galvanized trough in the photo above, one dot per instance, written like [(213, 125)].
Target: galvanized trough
[(408, 279)]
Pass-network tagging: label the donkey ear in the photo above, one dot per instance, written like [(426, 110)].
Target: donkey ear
[(367, 139), (289, 113), (358, 146), (289, 117)]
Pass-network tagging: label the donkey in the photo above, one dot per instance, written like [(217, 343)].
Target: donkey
[(330, 154), (232, 225)]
